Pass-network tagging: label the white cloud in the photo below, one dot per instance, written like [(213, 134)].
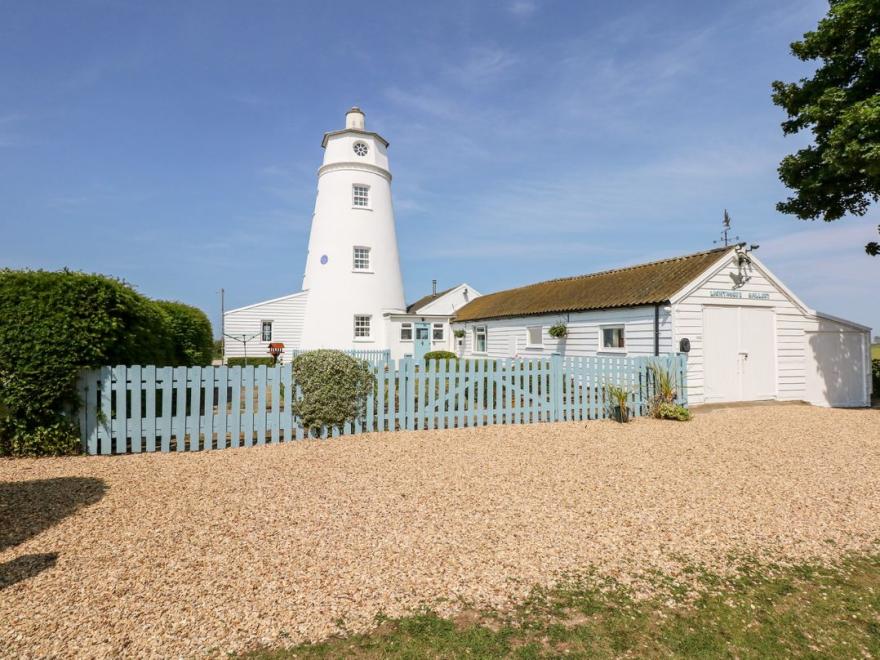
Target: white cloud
[(426, 101), (481, 64), (522, 8)]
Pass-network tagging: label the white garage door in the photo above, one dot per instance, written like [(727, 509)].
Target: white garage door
[(836, 369), (738, 354)]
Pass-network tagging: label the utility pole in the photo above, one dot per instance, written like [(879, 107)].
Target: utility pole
[(222, 326)]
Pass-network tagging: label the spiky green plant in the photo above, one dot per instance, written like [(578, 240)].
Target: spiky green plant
[(619, 398)]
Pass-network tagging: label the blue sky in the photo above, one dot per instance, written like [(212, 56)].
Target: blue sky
[(176, 145)]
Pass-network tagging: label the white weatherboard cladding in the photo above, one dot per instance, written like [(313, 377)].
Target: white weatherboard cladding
[(336, 292), (451, 301), (786, 340), (838, 363), (286, 314), (508, 337), (824, 371)]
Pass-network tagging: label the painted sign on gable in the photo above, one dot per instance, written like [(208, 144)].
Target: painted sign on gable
[(751, 295)]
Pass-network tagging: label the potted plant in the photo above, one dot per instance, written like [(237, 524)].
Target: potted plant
[(458, 334), (558, 330), (618, 402)]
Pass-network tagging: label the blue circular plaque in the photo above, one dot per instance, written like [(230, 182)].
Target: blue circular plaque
[(323, 258)]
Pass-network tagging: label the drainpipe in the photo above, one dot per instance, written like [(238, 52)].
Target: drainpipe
[(656, 329)]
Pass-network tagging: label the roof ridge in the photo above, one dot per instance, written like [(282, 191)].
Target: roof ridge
[(618, 270), (428, 299)]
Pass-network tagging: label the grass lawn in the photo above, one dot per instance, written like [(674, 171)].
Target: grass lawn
[(806, 611)]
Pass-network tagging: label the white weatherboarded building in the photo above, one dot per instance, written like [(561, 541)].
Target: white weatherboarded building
[(352, 294), (748, 336)]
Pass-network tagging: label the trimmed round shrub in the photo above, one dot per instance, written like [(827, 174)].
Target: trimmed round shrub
[(440, 355), (334, 387), (191, 333)]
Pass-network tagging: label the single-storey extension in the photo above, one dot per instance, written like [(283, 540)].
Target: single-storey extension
[(747, 336), (422, 327)]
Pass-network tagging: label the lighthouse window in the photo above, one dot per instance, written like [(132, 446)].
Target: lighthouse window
[(360, 195), (362, 258), (361, 326)]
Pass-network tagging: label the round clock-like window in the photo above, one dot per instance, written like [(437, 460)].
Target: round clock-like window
[(323, 259), (360, 148)]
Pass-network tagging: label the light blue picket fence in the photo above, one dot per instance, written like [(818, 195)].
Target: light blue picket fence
[(131, 409), (373, 356)]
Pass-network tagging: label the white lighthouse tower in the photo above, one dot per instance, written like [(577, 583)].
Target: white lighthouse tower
[(352, 269)]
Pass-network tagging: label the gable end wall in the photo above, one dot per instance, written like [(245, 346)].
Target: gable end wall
[(790, 324)]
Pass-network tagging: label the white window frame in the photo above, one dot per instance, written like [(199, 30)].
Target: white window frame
[(360, 196), (529, 343), (354, 259), (263, 329), (369, 325), (434, 328), (612, 349), (406, 325), (484, 330)]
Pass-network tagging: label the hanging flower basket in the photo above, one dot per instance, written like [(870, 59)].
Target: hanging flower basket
[(558, 331)]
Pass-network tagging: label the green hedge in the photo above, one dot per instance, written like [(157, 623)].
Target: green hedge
[(53, 324), (440, 355), (251, 361), (191, 333)]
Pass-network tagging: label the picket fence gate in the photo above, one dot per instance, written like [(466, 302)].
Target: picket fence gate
[(132, 409)]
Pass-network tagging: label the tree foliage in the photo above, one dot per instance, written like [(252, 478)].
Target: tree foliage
[(840, 172), (334, 386)]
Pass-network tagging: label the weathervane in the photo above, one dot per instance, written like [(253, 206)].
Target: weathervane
[(725, 235)]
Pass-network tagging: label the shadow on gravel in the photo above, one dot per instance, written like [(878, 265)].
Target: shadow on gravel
[(24, 567), (28, 508)]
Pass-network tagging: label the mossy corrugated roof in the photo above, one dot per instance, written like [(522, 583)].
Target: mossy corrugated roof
[(645, 284)]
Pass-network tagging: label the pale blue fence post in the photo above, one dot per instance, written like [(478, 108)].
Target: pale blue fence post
[(260, 416), (394, 372), (136, 430), (287, 382), (275, 419), (150, 418), (195, 409), (555, 387)]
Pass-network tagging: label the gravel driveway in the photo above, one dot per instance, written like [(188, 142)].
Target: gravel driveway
[(217, 551)]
